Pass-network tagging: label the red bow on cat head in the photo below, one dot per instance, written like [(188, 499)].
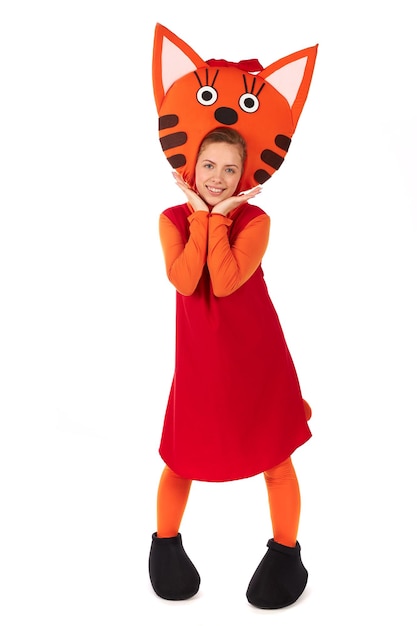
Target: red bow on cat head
[(249, 65)]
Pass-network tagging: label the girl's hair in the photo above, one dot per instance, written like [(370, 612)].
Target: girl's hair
[(225, 134)]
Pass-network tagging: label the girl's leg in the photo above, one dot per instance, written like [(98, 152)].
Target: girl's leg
[(172, 573), (280, 577), (172, 499), (284, 502)]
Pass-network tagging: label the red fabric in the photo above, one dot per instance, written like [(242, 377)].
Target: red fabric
[(248, 65), (235, 407)]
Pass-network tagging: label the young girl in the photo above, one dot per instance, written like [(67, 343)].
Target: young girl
[(235, 408)]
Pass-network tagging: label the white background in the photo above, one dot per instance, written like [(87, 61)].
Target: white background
[(87, 314)]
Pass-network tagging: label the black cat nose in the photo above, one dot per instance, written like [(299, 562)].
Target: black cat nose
[(225, 115)]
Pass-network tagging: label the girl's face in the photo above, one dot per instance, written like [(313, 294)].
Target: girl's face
[(218, 171)]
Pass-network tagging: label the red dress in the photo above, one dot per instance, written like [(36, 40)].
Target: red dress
[(235, 407)]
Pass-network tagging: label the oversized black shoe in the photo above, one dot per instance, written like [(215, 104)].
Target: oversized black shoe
[(173, 575), (279, 579)]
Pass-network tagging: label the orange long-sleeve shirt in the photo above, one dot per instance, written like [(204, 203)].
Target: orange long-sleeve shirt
[(208, 243)]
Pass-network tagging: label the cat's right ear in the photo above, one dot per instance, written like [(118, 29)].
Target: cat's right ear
[(291, 77), (172, 59)]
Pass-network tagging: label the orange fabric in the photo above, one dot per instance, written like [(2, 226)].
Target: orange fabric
[(184, 262), (229, 267), (283, 496), (193, 97), (307, 410), (284, 502), (173, 492)]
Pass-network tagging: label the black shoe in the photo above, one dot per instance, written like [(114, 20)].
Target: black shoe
[(173, 575), (279, 579)]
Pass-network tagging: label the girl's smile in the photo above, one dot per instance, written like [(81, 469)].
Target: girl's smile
[(218, 172)]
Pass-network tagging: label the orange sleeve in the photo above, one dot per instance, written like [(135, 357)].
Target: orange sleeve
[(231, 266), (184, 263)]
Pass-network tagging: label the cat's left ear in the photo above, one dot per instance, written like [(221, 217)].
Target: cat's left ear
[(172, 59), (291, 77)]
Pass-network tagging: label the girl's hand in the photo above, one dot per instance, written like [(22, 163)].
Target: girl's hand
[(193, 198), (225, 206)]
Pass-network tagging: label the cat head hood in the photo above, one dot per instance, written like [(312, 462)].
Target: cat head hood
[(193, 97)]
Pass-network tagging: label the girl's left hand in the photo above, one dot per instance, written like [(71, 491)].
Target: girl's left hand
[(225, 206)]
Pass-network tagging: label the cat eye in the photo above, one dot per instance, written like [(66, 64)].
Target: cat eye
[(249, 103), (207, 95)]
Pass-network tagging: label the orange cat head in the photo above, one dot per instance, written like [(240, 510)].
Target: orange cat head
[(193, 96)]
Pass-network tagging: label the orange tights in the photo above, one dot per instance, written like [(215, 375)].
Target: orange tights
[(283, 496)]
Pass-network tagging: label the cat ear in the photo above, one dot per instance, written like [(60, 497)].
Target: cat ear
[(291, 77), (172, 59)]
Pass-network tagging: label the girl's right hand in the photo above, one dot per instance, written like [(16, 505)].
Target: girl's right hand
[(193, 198)]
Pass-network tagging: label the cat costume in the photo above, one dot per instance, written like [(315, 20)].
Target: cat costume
[(235, 407)]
